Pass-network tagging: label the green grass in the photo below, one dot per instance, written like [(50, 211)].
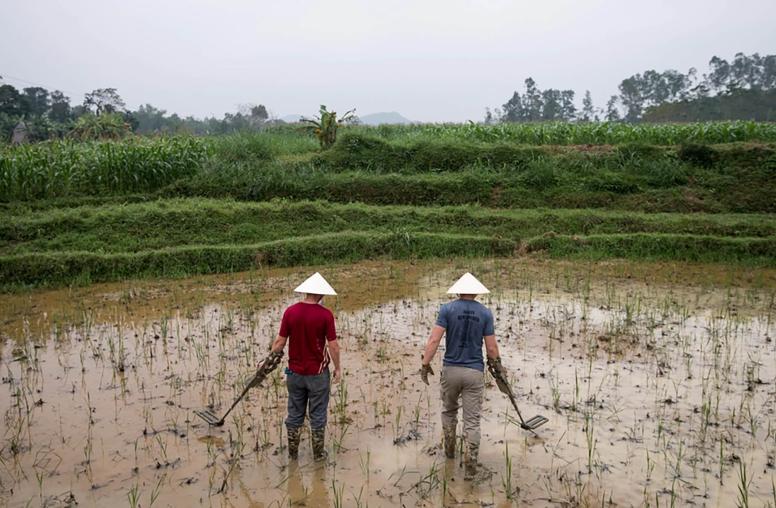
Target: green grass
[(80, 212), (66, 168), (168, 223), (186, 236), (562, 133), (646, 246), (58, 268), (367, 164)]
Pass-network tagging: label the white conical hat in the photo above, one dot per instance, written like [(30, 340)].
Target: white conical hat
[(315, 285), (467, 285)]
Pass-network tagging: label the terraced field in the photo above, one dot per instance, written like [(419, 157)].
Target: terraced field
[(84, 212)]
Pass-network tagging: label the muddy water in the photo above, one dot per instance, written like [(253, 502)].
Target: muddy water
[(658, 380)]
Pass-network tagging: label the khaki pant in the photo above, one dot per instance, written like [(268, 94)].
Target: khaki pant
[(467, 385)]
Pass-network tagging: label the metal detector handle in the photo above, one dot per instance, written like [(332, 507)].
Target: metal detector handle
[(265, 367), (238, 399), (503, 386)]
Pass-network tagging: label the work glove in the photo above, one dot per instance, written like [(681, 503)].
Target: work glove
[(499, 374), (425, 370), (265, 367), (269, 363)]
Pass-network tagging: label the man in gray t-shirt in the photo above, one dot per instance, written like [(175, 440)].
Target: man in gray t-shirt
[(466, 324)]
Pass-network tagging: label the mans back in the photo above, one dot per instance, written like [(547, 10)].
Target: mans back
[(466, 322), (308, 326)]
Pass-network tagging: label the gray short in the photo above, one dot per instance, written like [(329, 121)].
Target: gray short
[(467, 385), (304, 391)]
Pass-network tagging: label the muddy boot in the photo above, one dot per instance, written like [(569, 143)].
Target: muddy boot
[(319, 443), (470, 461), (449, 441), (294, 435)]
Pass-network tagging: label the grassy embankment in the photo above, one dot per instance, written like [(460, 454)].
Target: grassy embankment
[(102, 211)]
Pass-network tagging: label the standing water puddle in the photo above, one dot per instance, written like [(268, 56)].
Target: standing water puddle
[(658, 381)]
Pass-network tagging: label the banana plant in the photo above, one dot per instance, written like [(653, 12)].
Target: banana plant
[(325, 125)]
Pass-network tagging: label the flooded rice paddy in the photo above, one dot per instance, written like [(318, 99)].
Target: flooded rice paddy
[(658, 380)]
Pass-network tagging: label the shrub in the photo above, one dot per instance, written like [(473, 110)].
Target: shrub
[(698, 155)]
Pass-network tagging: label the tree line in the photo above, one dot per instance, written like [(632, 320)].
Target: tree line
[(744, 88), (728, 91), (103, 113)]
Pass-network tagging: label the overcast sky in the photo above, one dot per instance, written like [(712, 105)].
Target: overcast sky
[(430, 60)]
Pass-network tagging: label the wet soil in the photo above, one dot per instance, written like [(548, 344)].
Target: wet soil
[(658, 380)]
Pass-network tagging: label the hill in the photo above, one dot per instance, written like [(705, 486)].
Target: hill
[(384, 118)]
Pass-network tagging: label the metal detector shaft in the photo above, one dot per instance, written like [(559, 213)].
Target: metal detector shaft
[(503, 385), (248, 386), (266, 366)]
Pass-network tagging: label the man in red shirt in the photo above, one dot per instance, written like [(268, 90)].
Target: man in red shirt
[(309, 328)]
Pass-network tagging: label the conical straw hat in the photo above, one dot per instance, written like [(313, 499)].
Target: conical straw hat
[(315, 285), (468, 285)]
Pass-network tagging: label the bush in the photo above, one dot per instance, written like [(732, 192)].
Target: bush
[(698, 155), (611, 182), (539, 175), (639, 151), (242, 147)]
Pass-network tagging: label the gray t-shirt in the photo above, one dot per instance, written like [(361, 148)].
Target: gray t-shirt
[(465, 322)]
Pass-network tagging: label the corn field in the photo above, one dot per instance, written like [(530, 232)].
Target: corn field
[(64, 167), (133, 165), (599, 133)]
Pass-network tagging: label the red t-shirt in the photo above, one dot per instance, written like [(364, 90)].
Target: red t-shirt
[(308, 326)]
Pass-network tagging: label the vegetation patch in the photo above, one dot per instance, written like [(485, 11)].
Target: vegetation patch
[(57, 268)]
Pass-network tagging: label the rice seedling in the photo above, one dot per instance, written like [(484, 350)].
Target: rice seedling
[(744, 483), (506, 480), (133, 496), (339, 494)]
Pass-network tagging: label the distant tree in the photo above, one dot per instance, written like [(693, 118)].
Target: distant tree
[(588, 110), (532, 101), (745, 72), (551, 107), (513, 109), (769, 72), (149, 119), (757, 105), (568, 111), (10, 101), (612, 111), (60, 107), (35, 101), (489, 117), (537, 105), (104, 100), (259, 113), (632, 98)]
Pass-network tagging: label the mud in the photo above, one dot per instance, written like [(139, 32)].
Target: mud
[(658, 380)]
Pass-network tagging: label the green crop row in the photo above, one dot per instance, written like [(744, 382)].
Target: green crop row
[(57, 268), (64, 167), (650, 246), (564, 133), (169, 223), (135, 165)]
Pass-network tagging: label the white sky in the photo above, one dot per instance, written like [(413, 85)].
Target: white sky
[(430, 60)]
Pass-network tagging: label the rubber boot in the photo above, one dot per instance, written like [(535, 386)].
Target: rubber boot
[(449, 441), (294, 435), (470, 461), (319, 443)]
